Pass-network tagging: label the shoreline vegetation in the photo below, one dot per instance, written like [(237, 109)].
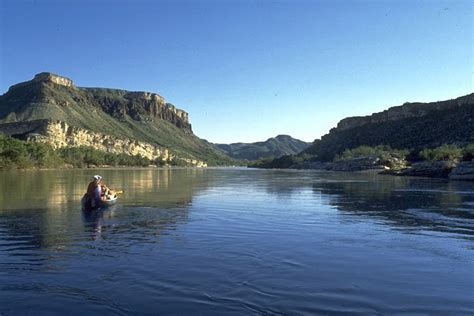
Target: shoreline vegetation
[(445, 161), (18, 154)]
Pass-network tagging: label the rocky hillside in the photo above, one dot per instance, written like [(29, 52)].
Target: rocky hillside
[(410, 126), (110, 118), (272, 147)]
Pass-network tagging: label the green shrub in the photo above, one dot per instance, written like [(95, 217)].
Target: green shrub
[(43, 155), (443, 152), (381, 152), (13, 153), (468, 152), (282, 162)]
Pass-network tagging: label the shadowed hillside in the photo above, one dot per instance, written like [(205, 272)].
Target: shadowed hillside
[(272, 147)]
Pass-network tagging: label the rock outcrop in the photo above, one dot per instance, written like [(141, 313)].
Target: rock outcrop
[(463, 171), (429, 169), (49, 77), (454, 170), (407, 110), (357, 164), (60, 134)]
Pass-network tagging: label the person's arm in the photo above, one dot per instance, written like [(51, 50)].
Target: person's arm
[(107, 190)]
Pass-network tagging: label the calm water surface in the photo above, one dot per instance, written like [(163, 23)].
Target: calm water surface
[(236, 241)]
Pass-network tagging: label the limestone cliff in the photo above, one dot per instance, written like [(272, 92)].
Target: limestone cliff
[(60, 134)]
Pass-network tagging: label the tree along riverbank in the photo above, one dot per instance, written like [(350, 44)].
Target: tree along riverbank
[(446, 161)]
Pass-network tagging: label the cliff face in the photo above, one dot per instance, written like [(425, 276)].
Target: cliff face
[(100, 116), (407, 110), (410, 126), (140, 106)]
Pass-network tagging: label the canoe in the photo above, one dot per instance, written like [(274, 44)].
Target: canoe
[(111, 201), (86, 203)]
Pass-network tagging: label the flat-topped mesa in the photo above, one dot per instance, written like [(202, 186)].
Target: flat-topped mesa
[(407, 110), (139, 105), (49, 77), (46, 77)]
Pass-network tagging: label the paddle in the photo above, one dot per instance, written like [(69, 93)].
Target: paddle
[(117, 193)]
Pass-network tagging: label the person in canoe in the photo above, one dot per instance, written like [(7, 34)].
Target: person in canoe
[(97, 191), (98, 194)]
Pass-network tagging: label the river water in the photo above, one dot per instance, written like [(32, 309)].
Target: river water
[(236, 241)]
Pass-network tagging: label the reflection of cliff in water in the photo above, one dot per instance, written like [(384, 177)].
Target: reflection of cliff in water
[(55, 189), (41, 217), (158, 187), (405, 203), (31, 189)]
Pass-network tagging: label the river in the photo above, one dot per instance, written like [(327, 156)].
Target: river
[(236, 241)]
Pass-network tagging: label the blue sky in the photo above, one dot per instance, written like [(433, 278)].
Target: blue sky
[(248, 70)]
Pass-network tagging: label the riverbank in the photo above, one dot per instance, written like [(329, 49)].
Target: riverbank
[(448, 161), (451, 170)]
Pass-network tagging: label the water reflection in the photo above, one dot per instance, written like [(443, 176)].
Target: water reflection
[(31, 189), (40, 212), (55, 189), (39, 203), (96, 221), (405, 203), (244, 241)]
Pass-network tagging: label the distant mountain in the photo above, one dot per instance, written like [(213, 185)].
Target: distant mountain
[(273, 147), (409, 126), (52, 109)]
